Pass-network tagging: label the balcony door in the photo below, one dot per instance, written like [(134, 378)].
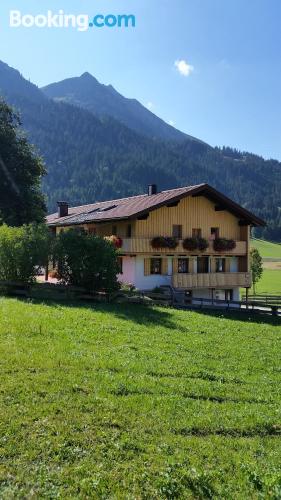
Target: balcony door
[(202, 265)]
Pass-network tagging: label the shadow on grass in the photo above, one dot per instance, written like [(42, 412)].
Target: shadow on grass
[(140, 314), (148, 315), (243, 316)]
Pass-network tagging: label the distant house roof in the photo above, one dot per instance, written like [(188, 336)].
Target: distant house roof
[(137, 206)]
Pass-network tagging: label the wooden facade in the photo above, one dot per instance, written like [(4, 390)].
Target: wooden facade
[(191, 215)]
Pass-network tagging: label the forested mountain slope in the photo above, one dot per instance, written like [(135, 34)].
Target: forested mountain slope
[(91, 158)]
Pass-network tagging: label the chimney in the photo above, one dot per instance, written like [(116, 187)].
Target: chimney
[(152, 189), (62, 208)]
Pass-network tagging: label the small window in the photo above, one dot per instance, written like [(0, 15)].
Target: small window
[(228, 295), (155, 266), (114, 230), (202, 265), (196, 232), (177, 231), (129, 231), (220, 265), (215, 233), (182, 265), (120, 264)]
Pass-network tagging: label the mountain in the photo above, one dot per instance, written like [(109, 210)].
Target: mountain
[(90, 158), (103, 100)]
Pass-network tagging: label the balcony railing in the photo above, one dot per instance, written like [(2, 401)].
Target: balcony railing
[(211, 280), (143, 246)]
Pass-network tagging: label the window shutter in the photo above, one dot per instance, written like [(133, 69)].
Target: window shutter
[(146, 267), (213, 265), (175, 266), (191, 265), (164, 266)]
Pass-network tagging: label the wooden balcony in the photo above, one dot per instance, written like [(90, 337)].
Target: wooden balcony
[(211, 280), (143, 246)]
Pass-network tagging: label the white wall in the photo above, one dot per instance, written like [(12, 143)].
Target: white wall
[(149, 282), (129, 270)]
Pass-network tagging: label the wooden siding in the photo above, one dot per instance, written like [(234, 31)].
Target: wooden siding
[(211, 280), (197, 212)]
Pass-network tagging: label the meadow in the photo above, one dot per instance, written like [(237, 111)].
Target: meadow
[(267, 249), (270, 282), (124, 401)]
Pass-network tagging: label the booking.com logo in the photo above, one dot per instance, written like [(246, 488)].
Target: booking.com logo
[(81, 22)]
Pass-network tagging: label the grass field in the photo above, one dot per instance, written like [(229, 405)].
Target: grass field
[(132, 402), (267, 249), (270, 282)]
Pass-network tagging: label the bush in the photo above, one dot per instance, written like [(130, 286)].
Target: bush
[(164, 242), (221, 244), (202, 244), (189, 243), (23, 251), (127, 287), (86, 260)]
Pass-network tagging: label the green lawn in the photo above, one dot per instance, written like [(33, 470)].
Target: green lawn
[(267, 249), (126, 402), (270, 282)]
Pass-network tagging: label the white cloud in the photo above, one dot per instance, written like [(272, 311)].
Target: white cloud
[(183, 67), (150, 105)]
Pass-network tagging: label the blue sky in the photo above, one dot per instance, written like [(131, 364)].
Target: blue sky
[(226, 90)]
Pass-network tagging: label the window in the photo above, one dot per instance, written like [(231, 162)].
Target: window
[(202, 264), (177, 231), (120, 264), (229, 295), (182, 265), (215, 233), (129, 231), (196, 233), (155, 266), (114, 230), (220, 265)]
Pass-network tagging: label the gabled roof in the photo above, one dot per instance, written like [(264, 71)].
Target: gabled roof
[(137, 206)]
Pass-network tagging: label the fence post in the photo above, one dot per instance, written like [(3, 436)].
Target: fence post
[(274, 310)]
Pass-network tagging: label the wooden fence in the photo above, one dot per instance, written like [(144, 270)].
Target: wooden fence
[(167, 296), (267, 299)]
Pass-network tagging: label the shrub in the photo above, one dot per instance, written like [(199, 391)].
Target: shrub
[(164, 242), (202, 244), (86, 260), (195, 244), (221, 244), (116, 241), (190, 243), (158, 242), (127, 287), (23, 251)]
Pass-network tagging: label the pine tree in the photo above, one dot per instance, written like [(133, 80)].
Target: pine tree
[(21, 170)]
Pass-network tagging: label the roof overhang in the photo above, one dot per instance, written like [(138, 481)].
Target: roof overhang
[(221, 201)]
